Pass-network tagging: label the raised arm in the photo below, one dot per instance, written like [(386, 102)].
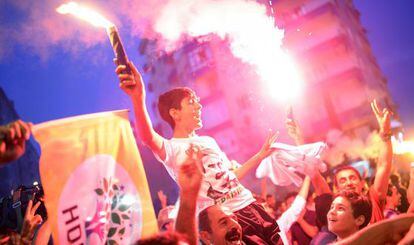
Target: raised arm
[(320, 184), (133, 86), (254, 161), (294, 131), (410, 190), (309, 229), (318, 181), (385, 158), (189, 180), (291, 215)]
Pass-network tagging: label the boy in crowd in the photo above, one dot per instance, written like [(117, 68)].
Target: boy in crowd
[(349, 213), (348, 178), (181, 109)]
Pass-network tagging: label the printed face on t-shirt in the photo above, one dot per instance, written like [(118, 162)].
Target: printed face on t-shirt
[(216, 173)]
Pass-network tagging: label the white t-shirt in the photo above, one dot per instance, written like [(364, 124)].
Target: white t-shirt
[(289, 217), (220, 184)]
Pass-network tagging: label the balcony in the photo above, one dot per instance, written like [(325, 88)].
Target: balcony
[(292, 13), (333, 68), (311, 33)]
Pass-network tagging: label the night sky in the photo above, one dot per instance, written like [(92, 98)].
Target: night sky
[(52, 81)]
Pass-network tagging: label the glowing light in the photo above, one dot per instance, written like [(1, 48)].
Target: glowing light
[(284, 83), (84, 13), (402, 147), (35, 183), (251, 32)]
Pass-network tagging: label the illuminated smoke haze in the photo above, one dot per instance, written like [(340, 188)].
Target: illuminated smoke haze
[(252, 34)]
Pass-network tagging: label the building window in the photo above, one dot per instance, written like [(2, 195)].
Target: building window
[(199, 58)]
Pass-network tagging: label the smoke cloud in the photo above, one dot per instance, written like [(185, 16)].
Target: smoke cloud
[(252, 34), (344, 147)]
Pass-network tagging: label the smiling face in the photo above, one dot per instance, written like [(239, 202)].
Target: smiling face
[(348, 179), (393, 196), (224, 227), (341, 220), (189, 115)]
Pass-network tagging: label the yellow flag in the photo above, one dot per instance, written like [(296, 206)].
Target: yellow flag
[(95, 186)]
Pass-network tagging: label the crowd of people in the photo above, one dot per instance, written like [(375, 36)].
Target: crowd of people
[(228, 213), (215, 208)]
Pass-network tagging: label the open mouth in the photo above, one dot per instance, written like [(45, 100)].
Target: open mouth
[(233, 237), (197, 114), (331, 220)]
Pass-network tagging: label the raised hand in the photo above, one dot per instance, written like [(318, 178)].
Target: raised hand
[(132, 85), (13, 138), (266, 149), (30, 222), (189, 174), (383, 118), (294, 131)]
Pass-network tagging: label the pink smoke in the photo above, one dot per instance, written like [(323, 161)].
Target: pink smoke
[(353, 148)]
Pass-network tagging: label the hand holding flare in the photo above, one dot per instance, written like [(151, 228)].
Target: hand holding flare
[(98, 20)]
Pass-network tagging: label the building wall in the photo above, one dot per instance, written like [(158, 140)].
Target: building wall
[(327, 39)]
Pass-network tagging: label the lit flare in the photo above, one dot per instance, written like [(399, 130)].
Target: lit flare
[(84, 13)]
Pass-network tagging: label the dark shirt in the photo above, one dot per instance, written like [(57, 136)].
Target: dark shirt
[(298, 234), (323, 237)]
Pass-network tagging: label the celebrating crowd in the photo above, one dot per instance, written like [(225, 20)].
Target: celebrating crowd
[(228, 213), (215, 208)]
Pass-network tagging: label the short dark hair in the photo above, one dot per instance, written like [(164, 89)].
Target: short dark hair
[(395, 179), (172, 100), (360, 204), (165, 238), (204, 221), (342, 168)]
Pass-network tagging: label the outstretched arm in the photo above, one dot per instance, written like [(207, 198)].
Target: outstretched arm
[(385, 158), (254, 161), (291, 215), (294, 131), (133, 86), (318, 181), (309, 229)]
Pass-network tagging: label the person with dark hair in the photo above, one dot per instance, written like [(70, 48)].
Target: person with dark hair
[(350, 211), (219, 226), (181, 108), (348, 178), (392, 201), (13, 138), (404, 203)]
